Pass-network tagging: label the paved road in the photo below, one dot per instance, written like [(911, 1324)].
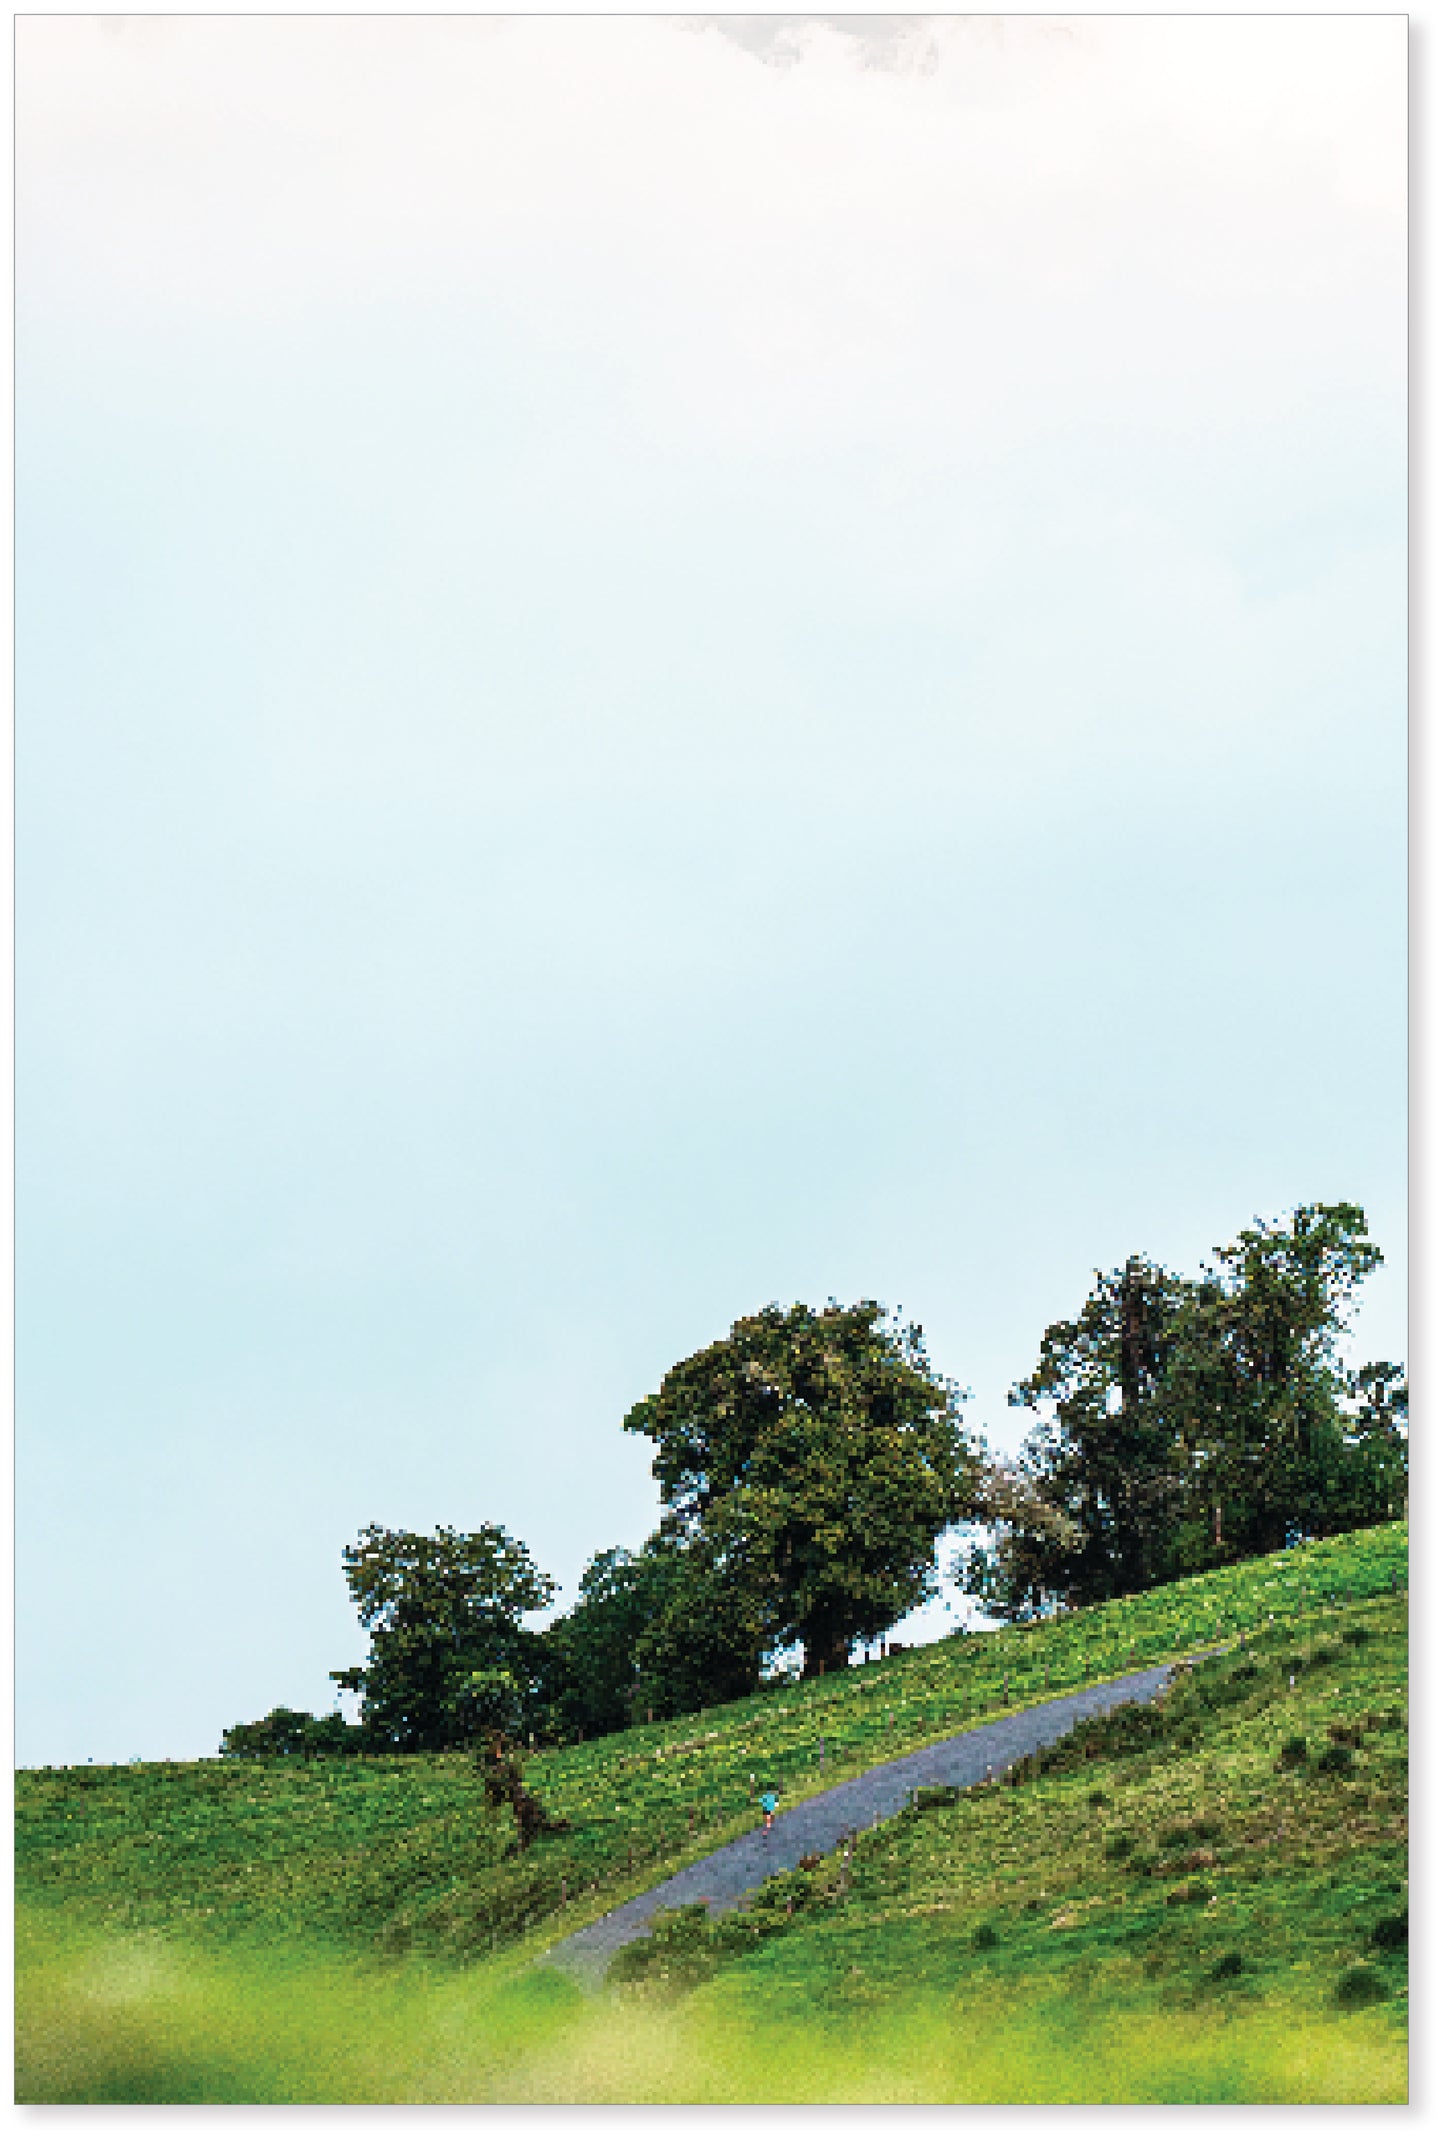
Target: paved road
[(821, 1823)]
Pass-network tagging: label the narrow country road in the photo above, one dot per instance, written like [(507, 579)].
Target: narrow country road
[(822, 1822)]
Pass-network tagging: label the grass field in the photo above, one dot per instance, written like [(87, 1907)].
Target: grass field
[(1178, 1909)]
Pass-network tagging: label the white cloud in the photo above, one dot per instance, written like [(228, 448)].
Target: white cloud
[(1023, 213)]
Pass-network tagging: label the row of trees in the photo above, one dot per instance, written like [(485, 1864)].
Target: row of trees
[(810, 1461)]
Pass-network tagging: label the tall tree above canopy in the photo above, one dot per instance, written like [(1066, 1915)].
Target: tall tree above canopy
[(1184, 1423), (1105, 1443), (449, 1655), (1283, 1298), (815, 1457)]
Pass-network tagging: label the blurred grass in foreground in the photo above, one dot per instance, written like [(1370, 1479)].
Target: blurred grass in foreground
[(141, 2019)]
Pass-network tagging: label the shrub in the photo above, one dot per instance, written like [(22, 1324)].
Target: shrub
[(1345, 1734), (1357, 1637), (1361, 1986), (933, 1797), (984, 1938), (1229, 1965), (1098, 1798), (679, 1954), (1294, 1753), (1190, 1891), (1191, 1831), (1392, 1931), (289, 1734), (1335, 1761), (1118, 1845)]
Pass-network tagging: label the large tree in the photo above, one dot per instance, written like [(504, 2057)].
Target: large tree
[(1182, 1423), (450, 1657), (809, 1462)]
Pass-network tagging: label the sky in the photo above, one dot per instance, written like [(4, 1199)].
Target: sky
[(662, 664)]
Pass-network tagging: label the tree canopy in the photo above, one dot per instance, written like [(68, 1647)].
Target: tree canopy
[(809, 1462), (1180, 1423), (449, 1654)]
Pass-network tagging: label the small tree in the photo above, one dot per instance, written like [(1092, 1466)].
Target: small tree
[(503, 1783), (449, 1655)]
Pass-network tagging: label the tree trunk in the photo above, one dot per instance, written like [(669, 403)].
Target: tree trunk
[(824, 1653)]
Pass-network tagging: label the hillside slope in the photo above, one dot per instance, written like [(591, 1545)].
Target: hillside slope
[(404, 1851), (1227, 1866), (1201, 1901)]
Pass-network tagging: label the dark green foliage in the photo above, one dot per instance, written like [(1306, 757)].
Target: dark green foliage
[(289, 1734), (1335, 1761), (1228, 1966), (704, 1643), (1361, 1986), (1118, 1846), (1294, 1753), (1183, 1424), (1392, 1932), (984, 1939), (450, 1658), (811, 1460), (1357, 1637)]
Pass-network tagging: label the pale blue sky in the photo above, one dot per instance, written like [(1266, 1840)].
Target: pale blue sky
[(659, 671)]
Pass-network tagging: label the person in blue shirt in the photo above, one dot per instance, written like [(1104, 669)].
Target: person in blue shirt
[(769, 1803)]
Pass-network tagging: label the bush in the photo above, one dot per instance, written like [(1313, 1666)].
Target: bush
[(1229, 1965), (680, 1953), (984, 1939), (1191, 1831), (933, 1797), (1294, 1753), (1392, 1932), (1335, 1761), (1361, 1986), (1357, 1637), (290, 1734)]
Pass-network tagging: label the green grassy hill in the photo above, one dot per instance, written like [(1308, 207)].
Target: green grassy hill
[(1173, 1909)]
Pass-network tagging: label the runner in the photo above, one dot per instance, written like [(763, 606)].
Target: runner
[(769, 1804)]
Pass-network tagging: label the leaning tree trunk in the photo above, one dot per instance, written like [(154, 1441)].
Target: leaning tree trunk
[(502, 1779)]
